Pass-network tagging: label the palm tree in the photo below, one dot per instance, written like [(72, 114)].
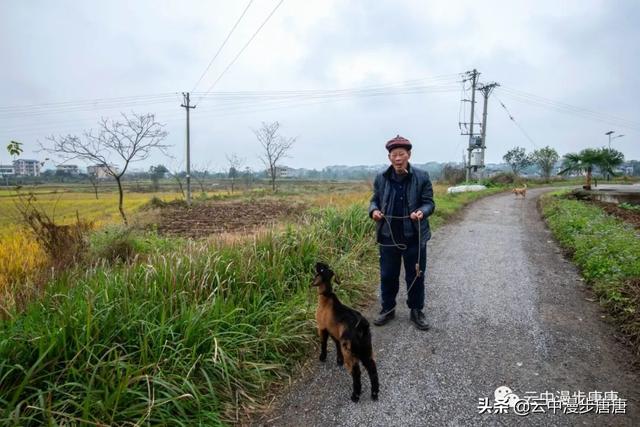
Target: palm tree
[(611, 159), (604, 158)]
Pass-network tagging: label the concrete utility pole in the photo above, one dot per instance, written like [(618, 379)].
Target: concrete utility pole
[(473, 76), (486, 90), (186, 105)]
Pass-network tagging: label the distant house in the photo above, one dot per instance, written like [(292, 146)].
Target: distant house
[(68, 169), (26, 167), (100, 171), (7, 170), (284, 172)]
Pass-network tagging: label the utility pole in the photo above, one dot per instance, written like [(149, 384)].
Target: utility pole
[(186, 105), (486, 90), (473, 76)]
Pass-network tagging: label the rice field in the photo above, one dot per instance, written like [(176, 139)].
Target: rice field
[(63, 205)]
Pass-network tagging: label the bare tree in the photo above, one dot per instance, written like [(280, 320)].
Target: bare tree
[(114, 146), (235, 163), (93, 179), (248, 177), (200, 175), (275, 148)]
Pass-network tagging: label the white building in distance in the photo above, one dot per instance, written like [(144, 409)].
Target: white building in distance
[(69, 169), (26, 167), (7, 170), (100, 171)]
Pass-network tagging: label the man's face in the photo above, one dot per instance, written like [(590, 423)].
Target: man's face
[(399, 158)]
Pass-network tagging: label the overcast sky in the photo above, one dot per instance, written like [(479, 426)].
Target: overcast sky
[(582, 53)]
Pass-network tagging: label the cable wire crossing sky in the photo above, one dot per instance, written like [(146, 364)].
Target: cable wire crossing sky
[(342, 77)]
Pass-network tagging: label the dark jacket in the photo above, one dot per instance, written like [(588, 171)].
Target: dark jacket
[(419, 197)]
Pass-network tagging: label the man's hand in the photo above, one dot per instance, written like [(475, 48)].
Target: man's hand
[(417, 215), (377, 215)]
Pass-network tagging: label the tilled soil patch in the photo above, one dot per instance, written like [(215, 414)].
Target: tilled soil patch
[(205, 219), (627, 215)]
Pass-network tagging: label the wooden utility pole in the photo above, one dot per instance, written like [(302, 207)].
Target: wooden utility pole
[(186, 105)]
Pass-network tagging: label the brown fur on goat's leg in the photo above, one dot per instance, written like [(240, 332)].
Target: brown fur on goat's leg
[(372, 370), (324, 337), (353, 366)]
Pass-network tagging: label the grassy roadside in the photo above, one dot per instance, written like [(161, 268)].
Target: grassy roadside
[(607, 251), (191, 333), (448, 205)]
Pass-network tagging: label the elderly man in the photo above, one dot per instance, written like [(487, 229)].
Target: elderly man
[(401, 204)]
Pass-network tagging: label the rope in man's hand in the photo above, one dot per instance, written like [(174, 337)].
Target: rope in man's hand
[(413, 216)]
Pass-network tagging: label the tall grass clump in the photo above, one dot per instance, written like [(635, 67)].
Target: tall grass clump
[(120, 243), (607, 251), (189, 337)]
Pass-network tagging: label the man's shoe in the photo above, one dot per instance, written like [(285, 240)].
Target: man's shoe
[(417, 317), (384, 318)]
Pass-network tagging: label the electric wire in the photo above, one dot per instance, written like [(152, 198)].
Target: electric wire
[(222, 45), (585, 113), (243, 48), (535, 146)]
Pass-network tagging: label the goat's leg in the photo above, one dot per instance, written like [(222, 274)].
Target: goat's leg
[(372, 370), (324, 336), (357, 383), (339, 357)]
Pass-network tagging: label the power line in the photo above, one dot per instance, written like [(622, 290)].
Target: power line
[(84, 102), (238, 101), (243, 48), (243, 109), (87, 107), (12, 112), (535, 146), (562, 107), (222, 45)]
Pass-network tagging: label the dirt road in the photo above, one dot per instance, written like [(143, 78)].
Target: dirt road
[(506, 309)]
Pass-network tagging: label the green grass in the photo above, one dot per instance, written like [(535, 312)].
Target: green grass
[(189, 333), (629, 207), (448, 204), (607, 251), (185, 337)]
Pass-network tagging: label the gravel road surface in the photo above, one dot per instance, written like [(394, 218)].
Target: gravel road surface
[(506, 309)]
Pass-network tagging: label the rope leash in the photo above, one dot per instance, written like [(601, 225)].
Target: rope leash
[(403, 247)]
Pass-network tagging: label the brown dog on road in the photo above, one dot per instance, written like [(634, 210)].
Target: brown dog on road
[(348, 329), (520, 191)]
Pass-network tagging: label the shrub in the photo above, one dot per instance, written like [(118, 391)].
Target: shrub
[(500, 178), (64, 244), (112, 243), (453, 175)]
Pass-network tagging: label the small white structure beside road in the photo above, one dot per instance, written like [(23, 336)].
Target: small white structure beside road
[(465, 188)]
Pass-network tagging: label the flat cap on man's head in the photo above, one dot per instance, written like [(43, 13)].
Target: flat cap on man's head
[(398, 142)]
